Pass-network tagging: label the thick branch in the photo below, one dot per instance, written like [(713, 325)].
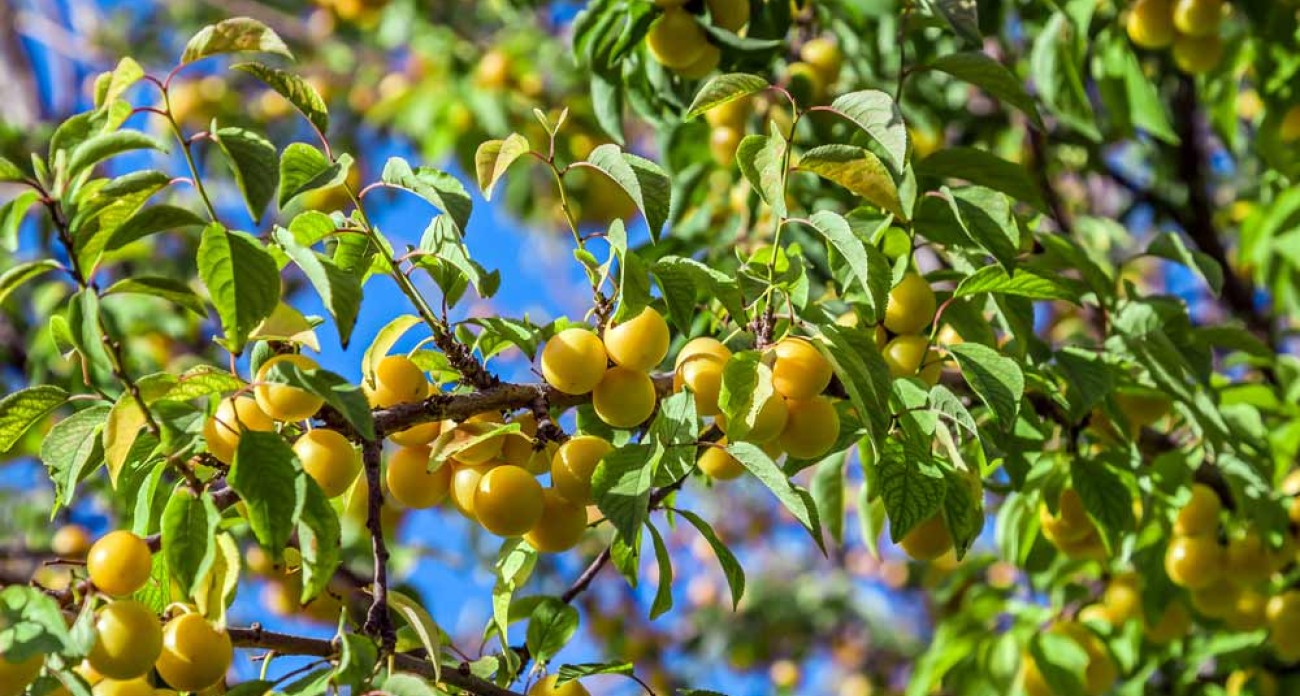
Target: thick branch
[(378, 622), (286, 644)]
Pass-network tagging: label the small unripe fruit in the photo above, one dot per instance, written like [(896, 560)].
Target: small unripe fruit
[(547, 687), (1201, 514), (717, 463), (398, 380), (573, 465), (119, 563), (675, 39), (1197, 55), (281, 401), (1194, 561), (128, 640), (905, 354), (625, 397), (233, 417), (195, 654), (812, 426), (927, 540), (1151, 23), (561, 525), (805, 82), (1248, 559), (729, 14), (411, 483), (330, 459), (574, 361), (800, 370), (911, 305), (825, 56), (464, 486), (640, 343), (70, 541), (1198, 17), (508, 501)]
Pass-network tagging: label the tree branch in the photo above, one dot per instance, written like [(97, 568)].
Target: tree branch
[(287, 644), (378, 622)]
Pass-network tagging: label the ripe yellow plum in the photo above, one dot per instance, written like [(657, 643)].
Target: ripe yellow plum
[(911, 305), (233, 417), (729, 14), (509, 501), (675, 39), (119, 563), (398, 380), (123, 687), (704, 65), (281, 401), (1196, 55), (825, 56), (624, 398), (640, 343), (812, 426), (1194, 561), (485, 449), (16, 676), (717, 463), (573, 465), (410, 481), (464, 487), (70, 541), (927, 540), (195, 654), (128, 639), (574, 361), (1201, 514), (800, 370), (1197, 18), (1151, 23), (699, 368), (330, 459), (561, 525), (547, 687), (906, 353)]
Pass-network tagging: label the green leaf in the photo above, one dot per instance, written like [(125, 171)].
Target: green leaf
[(32, 624), (494, 157), (296, 90), (72, 450), (319, 539), (112, 85), (170, 289), (550, 627), (645, 182), (200, 381), (420, 621), (12, 214), (358, 656), (869, 265), (761, 159), (1108, 501), (794, 498), (1024, 282), (1056, 67), (963, 513), (973, 214), (1171, 245), (445, 250), (746, 389), (963, 17), (304, 168), (910, 485), (877, 115), (235, 35), (242, 279), (216, 589), (621, 487), (711, 281), (568, 673), (439, 188), (19, 274), (1061, 660), (991, 76), (722, 89), (996, 378), (151, 220), (384, 342), (985, 169), (400, 684), (189, 530), (338, 393), (863, 372), (269, 479), (24, 408), (827, 488), (731, 568), (664, 594), (675, 428), (857, 170), (339, 290), (10, 172), (253, 161), (98, 148)]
